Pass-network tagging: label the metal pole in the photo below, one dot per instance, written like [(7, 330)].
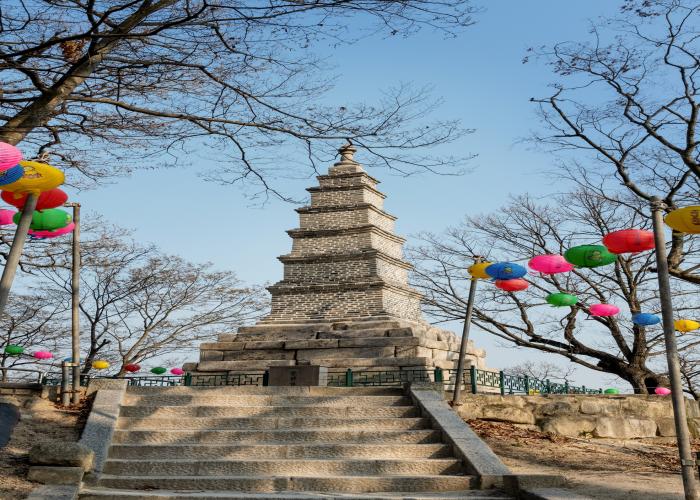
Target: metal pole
[(75, 303), (65, 396), (465, 339), (8, 273), (690, 484)]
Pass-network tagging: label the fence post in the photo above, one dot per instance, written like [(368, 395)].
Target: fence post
[(549, 387), (65, 395), (527, 385), (266, 378), (502, 383), (472, 378), (583, 389), (566, 387), (188, 379), (348, 378), (438, 374)]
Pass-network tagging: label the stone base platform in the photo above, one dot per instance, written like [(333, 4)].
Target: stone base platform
[(379, 344)]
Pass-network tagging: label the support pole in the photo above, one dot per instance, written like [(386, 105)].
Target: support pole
[(8, 273), (690, 484), (465, 339), (75, 304)]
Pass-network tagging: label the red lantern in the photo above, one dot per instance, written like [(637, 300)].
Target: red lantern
[(132, 367), (48, 199), (629, 241), (515, 285)]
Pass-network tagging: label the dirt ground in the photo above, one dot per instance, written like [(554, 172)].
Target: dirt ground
[(40, 420), (640, 469)]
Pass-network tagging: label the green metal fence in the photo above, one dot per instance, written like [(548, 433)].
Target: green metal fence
[(474, 380)]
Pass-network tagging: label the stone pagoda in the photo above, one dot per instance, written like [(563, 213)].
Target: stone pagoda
[(344, 301)]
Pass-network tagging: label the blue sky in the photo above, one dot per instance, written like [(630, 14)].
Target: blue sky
[(482, 81)]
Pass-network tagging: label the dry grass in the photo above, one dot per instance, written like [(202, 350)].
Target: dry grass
[(640, 469), (40, 420)]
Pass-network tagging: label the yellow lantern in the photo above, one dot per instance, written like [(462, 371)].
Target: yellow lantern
[(685, 220), (686, 325), (478, 270), (100, 364), (38, 177)]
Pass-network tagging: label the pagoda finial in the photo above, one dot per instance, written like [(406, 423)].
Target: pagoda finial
[(347, 151)]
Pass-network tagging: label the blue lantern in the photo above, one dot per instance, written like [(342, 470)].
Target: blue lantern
[(11, 175), (645, 319), (506, 271)]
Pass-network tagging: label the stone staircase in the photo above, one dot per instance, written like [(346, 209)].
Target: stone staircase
[(277, 443)]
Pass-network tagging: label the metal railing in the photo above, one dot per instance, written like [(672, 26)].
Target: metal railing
[(474, 380), (39, 376)]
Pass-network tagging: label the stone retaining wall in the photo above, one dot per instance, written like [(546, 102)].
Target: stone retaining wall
[(600, 416)]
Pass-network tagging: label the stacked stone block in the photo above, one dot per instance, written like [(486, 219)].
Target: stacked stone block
[(344, 300)]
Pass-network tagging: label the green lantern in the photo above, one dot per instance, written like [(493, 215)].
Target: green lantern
[(14, 350), (46, 220), (589, 256), (158, 370), (611, 391), (562, 299)]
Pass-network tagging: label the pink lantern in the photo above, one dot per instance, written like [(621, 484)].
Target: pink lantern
[(43, 355), (603, 310), (177, 371), (53, 234), (550, 264), (6, 217), (9, 156), (662, 391)]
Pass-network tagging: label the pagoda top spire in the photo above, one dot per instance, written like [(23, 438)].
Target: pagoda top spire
[(347, 161)]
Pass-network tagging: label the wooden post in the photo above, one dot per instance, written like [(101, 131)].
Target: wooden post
[(8, 273), (75, 303), (465, 338), (690, 484)]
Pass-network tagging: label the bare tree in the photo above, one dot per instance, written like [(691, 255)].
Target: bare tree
[(624, 111), (526, 228), (137, 303), (543, 370), (34, 323), (108, 86)]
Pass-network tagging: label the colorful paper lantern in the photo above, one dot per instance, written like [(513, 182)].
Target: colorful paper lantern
[(6, 217), (14, 350), (645, 319), (629, 241), (132, 367), (611, 391), (158, 370), (550, 264), (48, 199), (478, 270), (589, 256), (52, 234), (177, 371), (100, 364), (505, 271), (603, 310), (9, 156), (38, 177), (662, 391), (46, 220), (685, 220), (11, 175), (515, 285), (42, 355), (561, 299), (686, 325)]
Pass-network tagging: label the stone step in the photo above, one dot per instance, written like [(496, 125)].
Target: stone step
[(296, 467), (111, 494), (303, 451), (186, 412), (264, 423), (274, 484), (161, 399), (276, 437)]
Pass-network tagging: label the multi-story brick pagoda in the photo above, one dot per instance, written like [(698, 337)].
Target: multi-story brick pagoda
[(344, 301)]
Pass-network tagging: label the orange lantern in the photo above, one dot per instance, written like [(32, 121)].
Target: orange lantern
[(514, 285), (684, 220)]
